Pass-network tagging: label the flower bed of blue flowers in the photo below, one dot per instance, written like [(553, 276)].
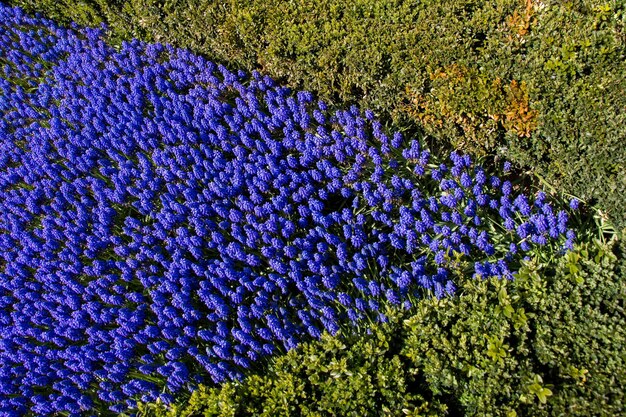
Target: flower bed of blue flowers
[(165, 222)]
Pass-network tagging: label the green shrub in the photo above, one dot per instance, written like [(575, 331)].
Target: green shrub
[(550, 343), (361, 376), (538, 82)]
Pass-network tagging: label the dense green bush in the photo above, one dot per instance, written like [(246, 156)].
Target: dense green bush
[(551, 336), (540, 82), (362, 377), (550, 343)]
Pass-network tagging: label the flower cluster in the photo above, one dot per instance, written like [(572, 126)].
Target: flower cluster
[(165, 222)]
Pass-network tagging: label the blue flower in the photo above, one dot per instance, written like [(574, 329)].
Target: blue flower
[(183, 221)]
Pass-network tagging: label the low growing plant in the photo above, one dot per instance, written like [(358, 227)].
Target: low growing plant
[(548, 343), (166, 222), (539, 83)]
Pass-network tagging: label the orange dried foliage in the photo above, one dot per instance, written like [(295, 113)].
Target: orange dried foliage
[(520, 118), (519, 23)]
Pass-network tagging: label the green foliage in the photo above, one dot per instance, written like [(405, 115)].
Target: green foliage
[(538, 82), (549, 343), (354, 377), (82, 12)]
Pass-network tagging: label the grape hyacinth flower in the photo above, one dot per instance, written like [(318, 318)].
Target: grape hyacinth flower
[(165, 222)]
